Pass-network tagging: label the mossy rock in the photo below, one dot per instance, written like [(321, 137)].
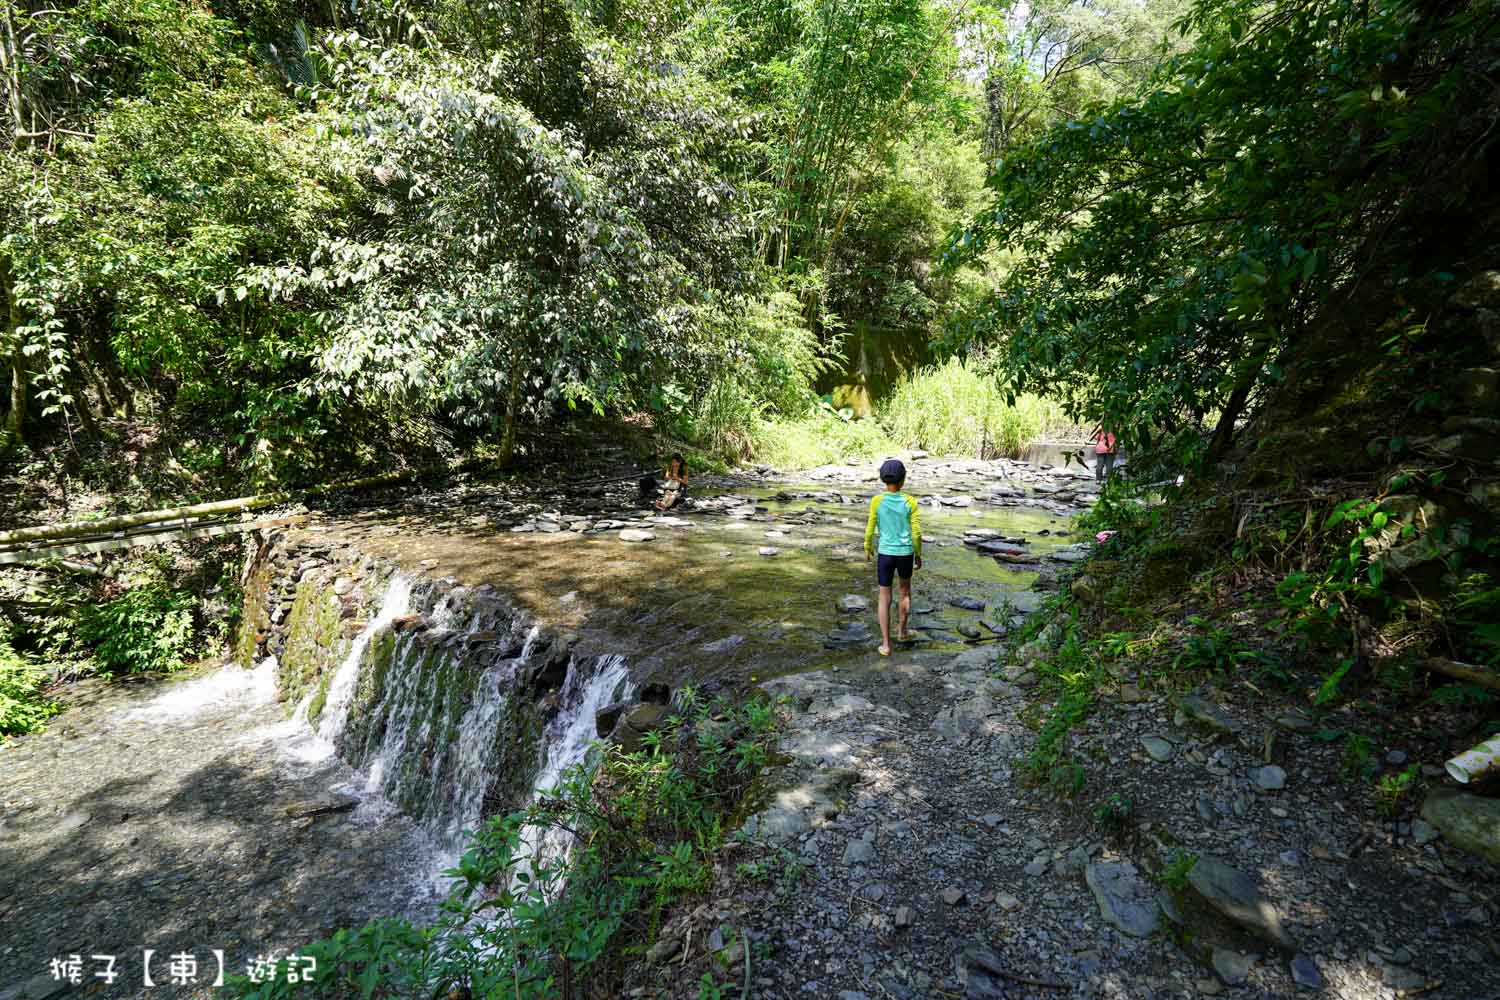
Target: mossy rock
[(315, 640), (255, 617), (1467, 821)]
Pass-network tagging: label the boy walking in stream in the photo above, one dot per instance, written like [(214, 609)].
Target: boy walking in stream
[(893, 514)]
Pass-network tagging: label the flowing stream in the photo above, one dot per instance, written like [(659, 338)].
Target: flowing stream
[(199, 815)]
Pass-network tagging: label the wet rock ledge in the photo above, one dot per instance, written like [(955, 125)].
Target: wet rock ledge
[(445, 695)]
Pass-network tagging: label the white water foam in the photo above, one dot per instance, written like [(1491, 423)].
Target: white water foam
[(229, 686), (335, 716), (569, 736)]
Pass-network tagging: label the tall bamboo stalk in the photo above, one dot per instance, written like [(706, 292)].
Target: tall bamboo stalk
[(10, 69)]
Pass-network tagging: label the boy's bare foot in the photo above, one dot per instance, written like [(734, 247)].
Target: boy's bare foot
[(885, 651), (906, 636)]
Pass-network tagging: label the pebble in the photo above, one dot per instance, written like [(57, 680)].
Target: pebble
[(859, 852), (903, 916), (1157, 748), (635, 535), (769, 550), (1125, 901), (1398, 978), (1269, 778), (1305, 972), (1232, 966), (953, 895)]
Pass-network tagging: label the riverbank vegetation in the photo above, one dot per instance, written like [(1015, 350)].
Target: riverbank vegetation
[(954, 408), (1275, 273), (268, 244), (528, 918)]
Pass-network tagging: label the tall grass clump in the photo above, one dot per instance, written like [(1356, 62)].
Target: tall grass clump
[(820, 438), (954, 409)]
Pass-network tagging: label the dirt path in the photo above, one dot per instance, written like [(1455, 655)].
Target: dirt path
[(907, 857)]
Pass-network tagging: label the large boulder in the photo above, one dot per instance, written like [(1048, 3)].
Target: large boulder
[(1467, 821)]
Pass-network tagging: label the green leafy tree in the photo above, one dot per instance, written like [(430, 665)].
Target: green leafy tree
[(508, 266), (1173, 249)]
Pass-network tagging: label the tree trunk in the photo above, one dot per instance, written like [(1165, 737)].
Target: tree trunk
[(1233, 407), (81, 403), (11, 434), (512, 408), (10, 70)]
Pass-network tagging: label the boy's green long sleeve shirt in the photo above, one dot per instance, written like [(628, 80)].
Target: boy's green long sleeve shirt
[(895, 517)]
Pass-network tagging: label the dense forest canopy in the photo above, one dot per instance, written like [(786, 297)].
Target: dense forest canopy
[(1176, 248), (307, 238), (303, 234)]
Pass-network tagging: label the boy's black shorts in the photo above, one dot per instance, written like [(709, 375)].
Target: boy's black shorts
[(886, 567)]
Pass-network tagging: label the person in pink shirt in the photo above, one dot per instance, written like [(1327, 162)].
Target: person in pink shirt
[(1104, 453)]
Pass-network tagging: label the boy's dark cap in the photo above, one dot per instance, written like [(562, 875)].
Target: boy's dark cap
[(892, 471)]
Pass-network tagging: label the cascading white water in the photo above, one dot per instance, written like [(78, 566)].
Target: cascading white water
[(439, 725), (395, 603), (569, 736)]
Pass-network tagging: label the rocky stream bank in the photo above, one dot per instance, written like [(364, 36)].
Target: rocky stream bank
[(417, 666)]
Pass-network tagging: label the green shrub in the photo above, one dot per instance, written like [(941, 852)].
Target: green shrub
[(147, 628), (1356, 755), (1179, 866), (1072, 708), (953, 409), (23, 707), (768, 369), (1393, 790)]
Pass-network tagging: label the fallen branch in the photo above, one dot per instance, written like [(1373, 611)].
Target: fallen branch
[(989, 962), (149, 535), (1463, 672), (322, 810), (80, 529)]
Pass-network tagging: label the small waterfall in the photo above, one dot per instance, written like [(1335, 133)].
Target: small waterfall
[(395, 603), (570, 734), (450, 721)]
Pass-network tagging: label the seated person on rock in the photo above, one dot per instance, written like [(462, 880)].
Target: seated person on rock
[(675, 491)]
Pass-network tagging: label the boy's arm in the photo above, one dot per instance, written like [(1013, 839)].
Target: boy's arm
[(870, 526), (916, 527)]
